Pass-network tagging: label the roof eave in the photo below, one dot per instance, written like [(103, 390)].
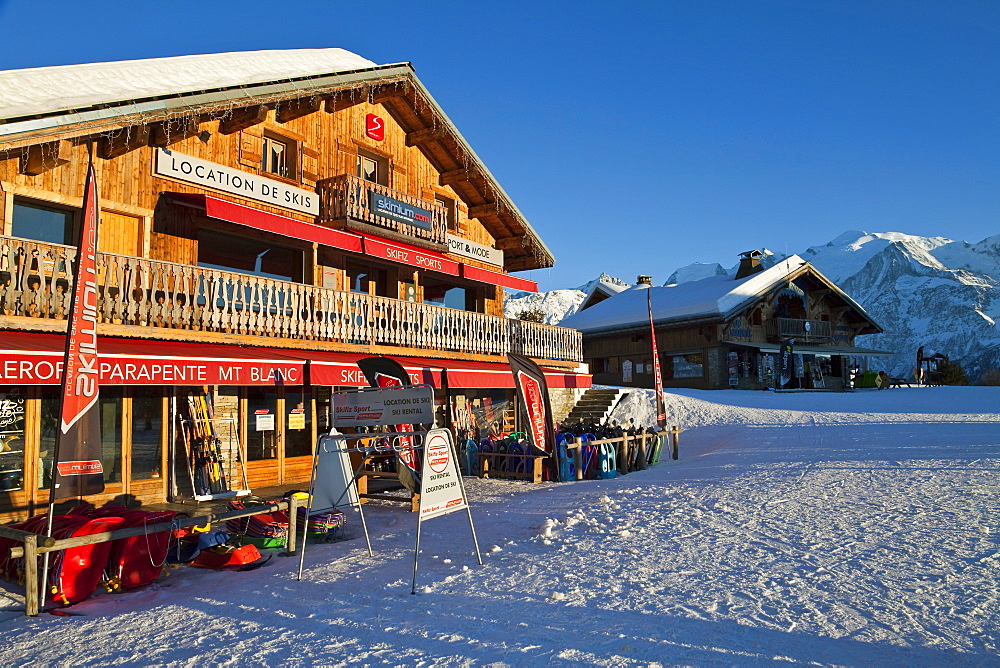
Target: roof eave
[(15, 133)]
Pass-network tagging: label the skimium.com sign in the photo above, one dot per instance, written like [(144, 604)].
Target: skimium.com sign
[(388, 207)]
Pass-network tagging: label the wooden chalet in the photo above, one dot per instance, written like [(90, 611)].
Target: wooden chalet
[(267, 218), (724, 332)]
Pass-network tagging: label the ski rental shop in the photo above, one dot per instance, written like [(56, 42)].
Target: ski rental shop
[(263, 225), (786, 326)]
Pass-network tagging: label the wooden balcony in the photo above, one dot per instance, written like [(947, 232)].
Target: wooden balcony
[(36, 282), (801, 330), (350, 202)]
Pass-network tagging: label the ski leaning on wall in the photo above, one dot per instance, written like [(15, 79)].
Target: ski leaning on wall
[(214, 456)]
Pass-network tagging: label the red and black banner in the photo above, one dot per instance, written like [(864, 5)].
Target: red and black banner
[(77, 458), (533, 396), (386, 372), (661, 409), (786, 368)]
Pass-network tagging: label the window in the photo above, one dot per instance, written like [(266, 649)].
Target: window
[(367, 280), (11, 439), (278, 156), (451, 214), (298, 422), (687, 366), (229, 253), (443, 294), (42, 223), (109, 411), (374, 168), (262, 437), (147, 427)]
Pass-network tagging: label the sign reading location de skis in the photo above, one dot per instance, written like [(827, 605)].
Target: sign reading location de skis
[(389, 406), (441, 489)]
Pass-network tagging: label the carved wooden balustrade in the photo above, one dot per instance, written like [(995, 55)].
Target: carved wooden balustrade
[(36, 280), (345, 199)]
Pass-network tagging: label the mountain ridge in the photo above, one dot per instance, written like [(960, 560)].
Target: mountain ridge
[(933, 292)]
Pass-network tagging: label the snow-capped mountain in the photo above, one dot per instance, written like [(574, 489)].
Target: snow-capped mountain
[(696, 272), (925, 291), (555, 304)]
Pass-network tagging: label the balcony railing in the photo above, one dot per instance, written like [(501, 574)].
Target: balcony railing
[(347, 200), (36, 282), (805, 330)]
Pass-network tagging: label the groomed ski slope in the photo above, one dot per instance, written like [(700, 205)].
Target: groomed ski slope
[(797, 529)]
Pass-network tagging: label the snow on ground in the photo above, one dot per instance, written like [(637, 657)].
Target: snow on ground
[(797, 529)]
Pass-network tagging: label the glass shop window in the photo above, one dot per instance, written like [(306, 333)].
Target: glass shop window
[(690, 365), (262, 423), (109, 411), (42, 223), (229, 253), (11, 439), (147, 431), (298, 422)]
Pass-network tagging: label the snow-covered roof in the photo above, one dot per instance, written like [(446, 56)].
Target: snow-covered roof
[(605, 285), (45, 90), (716, 297), (46, 103)]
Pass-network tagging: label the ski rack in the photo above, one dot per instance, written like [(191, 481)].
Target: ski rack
[(231, 464), (336, 444)]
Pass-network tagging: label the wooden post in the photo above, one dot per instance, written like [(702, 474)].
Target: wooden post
[(675, 438), (578, 460), (31, 575), (293, 522)]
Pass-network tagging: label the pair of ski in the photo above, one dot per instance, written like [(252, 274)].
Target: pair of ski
[(207, 463)]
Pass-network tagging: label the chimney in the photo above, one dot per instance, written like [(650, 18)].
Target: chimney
[(644, 280), (749, 264)]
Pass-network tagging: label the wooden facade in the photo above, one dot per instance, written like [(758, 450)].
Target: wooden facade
[(738, 349), (314, 270)]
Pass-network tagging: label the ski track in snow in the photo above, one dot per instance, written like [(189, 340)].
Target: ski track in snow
[(796, 529)]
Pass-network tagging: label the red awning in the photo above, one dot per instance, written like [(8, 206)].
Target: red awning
[(341, 369), (271, 222), (497, 278), (401, 253), (36, 359)]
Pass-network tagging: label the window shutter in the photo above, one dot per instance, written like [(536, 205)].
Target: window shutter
[(310, 165), (251, 146)]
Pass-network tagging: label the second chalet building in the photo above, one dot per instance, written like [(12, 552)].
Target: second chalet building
[(267, 218), (727, 332)]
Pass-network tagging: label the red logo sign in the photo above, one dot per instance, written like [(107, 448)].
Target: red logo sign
[(438, 454), (79, 468), (375, 127)]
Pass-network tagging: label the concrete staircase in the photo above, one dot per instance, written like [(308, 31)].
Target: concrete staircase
[(595, 405)]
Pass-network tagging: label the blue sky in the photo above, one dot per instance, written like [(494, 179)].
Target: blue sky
[(640, 137)]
